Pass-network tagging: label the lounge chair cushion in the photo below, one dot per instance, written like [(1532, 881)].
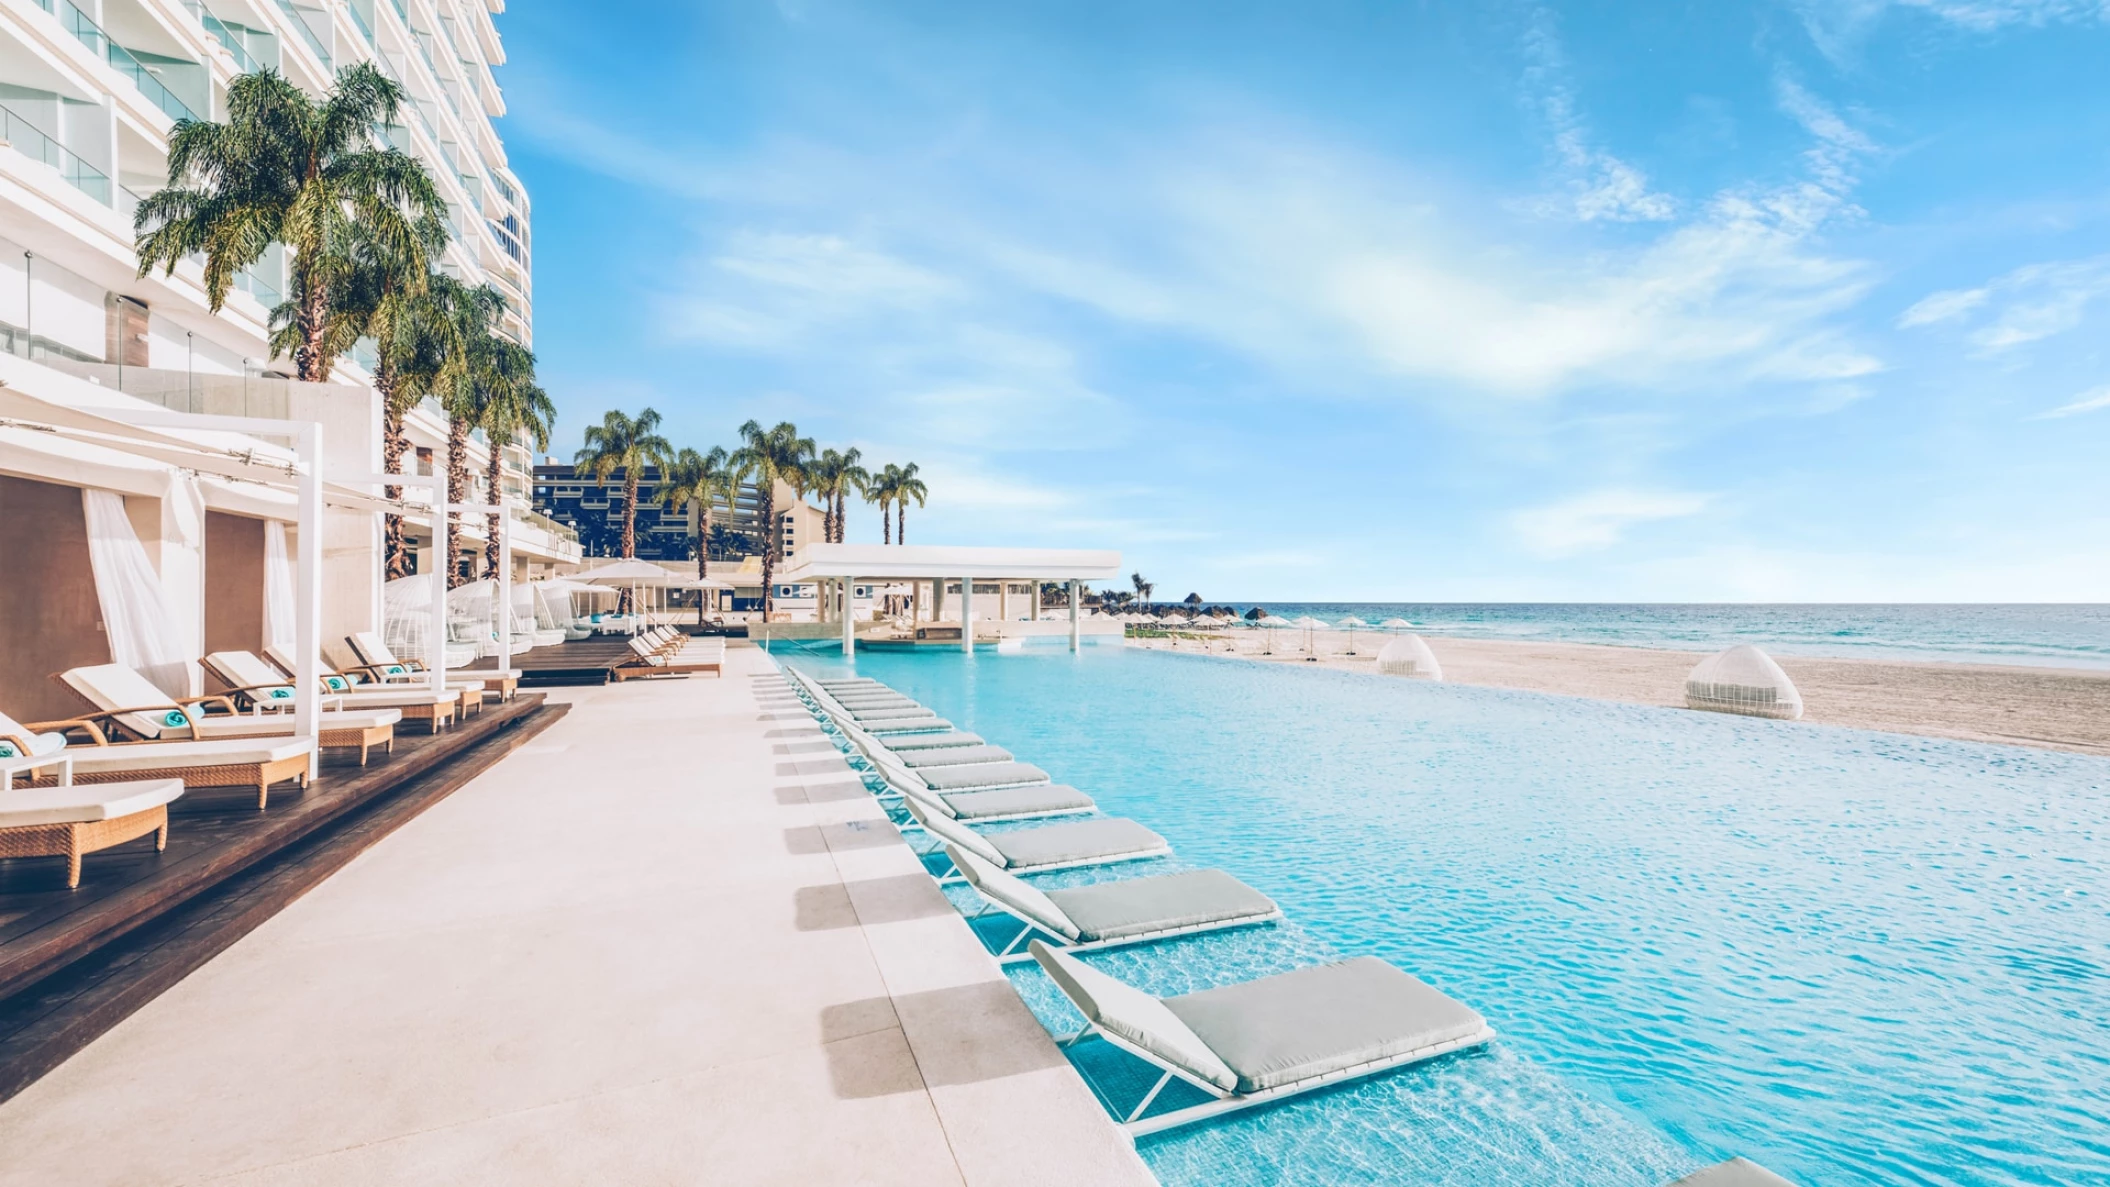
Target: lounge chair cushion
[(908, 742), (1072, 841), (1327, 1018), (1737, 1172), (84, 802), (1135, 1016), (115, 686), (1138, 906), (908, 725), (1013, 894), (952, 756), (980, 775), (243, 669), (154, 756), (870, 715), (1016, 801), (253, 725), (39, 744), (872, 700)]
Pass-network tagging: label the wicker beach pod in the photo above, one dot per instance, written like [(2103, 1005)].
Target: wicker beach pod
[(1743, 680), (1409, 656)]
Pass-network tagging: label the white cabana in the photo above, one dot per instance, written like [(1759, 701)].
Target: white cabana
[(1743, 680), (839, 568), (1409, 656)]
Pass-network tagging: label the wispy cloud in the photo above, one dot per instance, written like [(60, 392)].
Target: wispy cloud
[(1599, 519), (1839, 27), (2093, 400), (2026, 305), (1600, 186)]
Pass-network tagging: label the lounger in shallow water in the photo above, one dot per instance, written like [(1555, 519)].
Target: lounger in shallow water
[(909, 743), (907, 725), (982, 776), (953, 756), (1063, 846), (1004, 804), (1114, 914), (1737, 1172), (1260, 1041)]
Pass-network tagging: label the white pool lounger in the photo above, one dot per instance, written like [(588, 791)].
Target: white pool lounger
[(1061, 846), (910, 743), (952, 756), (1116, 914), (1261, 1041), (1737, 1172)]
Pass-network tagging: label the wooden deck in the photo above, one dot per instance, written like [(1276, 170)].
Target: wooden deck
[(74, 963), (585, 661)]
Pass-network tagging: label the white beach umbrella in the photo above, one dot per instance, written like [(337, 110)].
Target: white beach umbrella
[(1396, 624), (1351, 622)]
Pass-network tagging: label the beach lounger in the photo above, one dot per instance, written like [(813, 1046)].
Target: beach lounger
[(890, 713), (376, 659), (250, 679), (257, 763), (1114, 914), (646, 660), (981, 776), (76, 819), (1061, 846), (1260, 1041), (909, 725), (130, 700), (469, 693), (1737, 1172), (952, 756), (908, 743)]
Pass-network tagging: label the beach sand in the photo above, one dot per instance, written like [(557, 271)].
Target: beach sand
[(2055, 708)]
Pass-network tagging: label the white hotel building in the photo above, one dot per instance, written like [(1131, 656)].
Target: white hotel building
[(89, 92)]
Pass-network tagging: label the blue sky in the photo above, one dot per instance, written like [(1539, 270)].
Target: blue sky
[(1621, 301)]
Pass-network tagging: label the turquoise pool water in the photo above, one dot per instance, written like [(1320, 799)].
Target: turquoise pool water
[(1859, 958)]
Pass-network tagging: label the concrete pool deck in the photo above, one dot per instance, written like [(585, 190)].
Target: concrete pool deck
[(671, 940)]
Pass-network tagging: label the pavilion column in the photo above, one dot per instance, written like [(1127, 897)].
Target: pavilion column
[(849, 621), (937, 599), (1075, 640), (1003, 600), (967, 615)]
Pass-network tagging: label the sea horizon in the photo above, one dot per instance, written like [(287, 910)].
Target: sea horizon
[(2028, 634)]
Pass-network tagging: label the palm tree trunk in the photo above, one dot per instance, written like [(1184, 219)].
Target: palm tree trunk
[(393, 445), (309, 357), (886, 523), (492, 476), (766, 516), (629, 512), (457, 492), (901, 533)]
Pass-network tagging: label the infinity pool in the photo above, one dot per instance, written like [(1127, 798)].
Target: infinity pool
[(1859, 958)]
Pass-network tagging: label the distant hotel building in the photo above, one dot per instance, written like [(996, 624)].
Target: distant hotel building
[(594, 510)]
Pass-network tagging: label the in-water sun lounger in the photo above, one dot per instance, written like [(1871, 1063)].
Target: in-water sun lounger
[(909, 743), (952, 756), (1260, 1041), (1060, 846), (1114, 914), (1737, 1172)]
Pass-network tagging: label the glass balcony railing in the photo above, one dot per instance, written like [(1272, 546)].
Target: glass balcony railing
[(29, 140), (90, 34), (365, 30), (225, 35), (300, 25), (264, 291)]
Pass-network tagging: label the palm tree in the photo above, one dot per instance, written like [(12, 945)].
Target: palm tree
[(510, 402), (910, 487), (1143, 587), (767, 457), (825, 472), (883, 488), (378, 302), (621, 443), (700, 480), (854, 477), (287, 169), (465, 380)]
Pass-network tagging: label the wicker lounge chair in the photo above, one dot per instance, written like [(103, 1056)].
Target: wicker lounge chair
[(131, 702), (1259, 1041), (1062, 845), (1115, 914), (379, 662), (645, 660), (71, 820), (237, 762), (256, 684), (1737, 1172)]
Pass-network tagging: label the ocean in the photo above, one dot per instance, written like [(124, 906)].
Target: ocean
[(2034, 634)]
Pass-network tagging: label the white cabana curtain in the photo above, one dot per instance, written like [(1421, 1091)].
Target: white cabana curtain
[(278, 587), (136, 618)]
